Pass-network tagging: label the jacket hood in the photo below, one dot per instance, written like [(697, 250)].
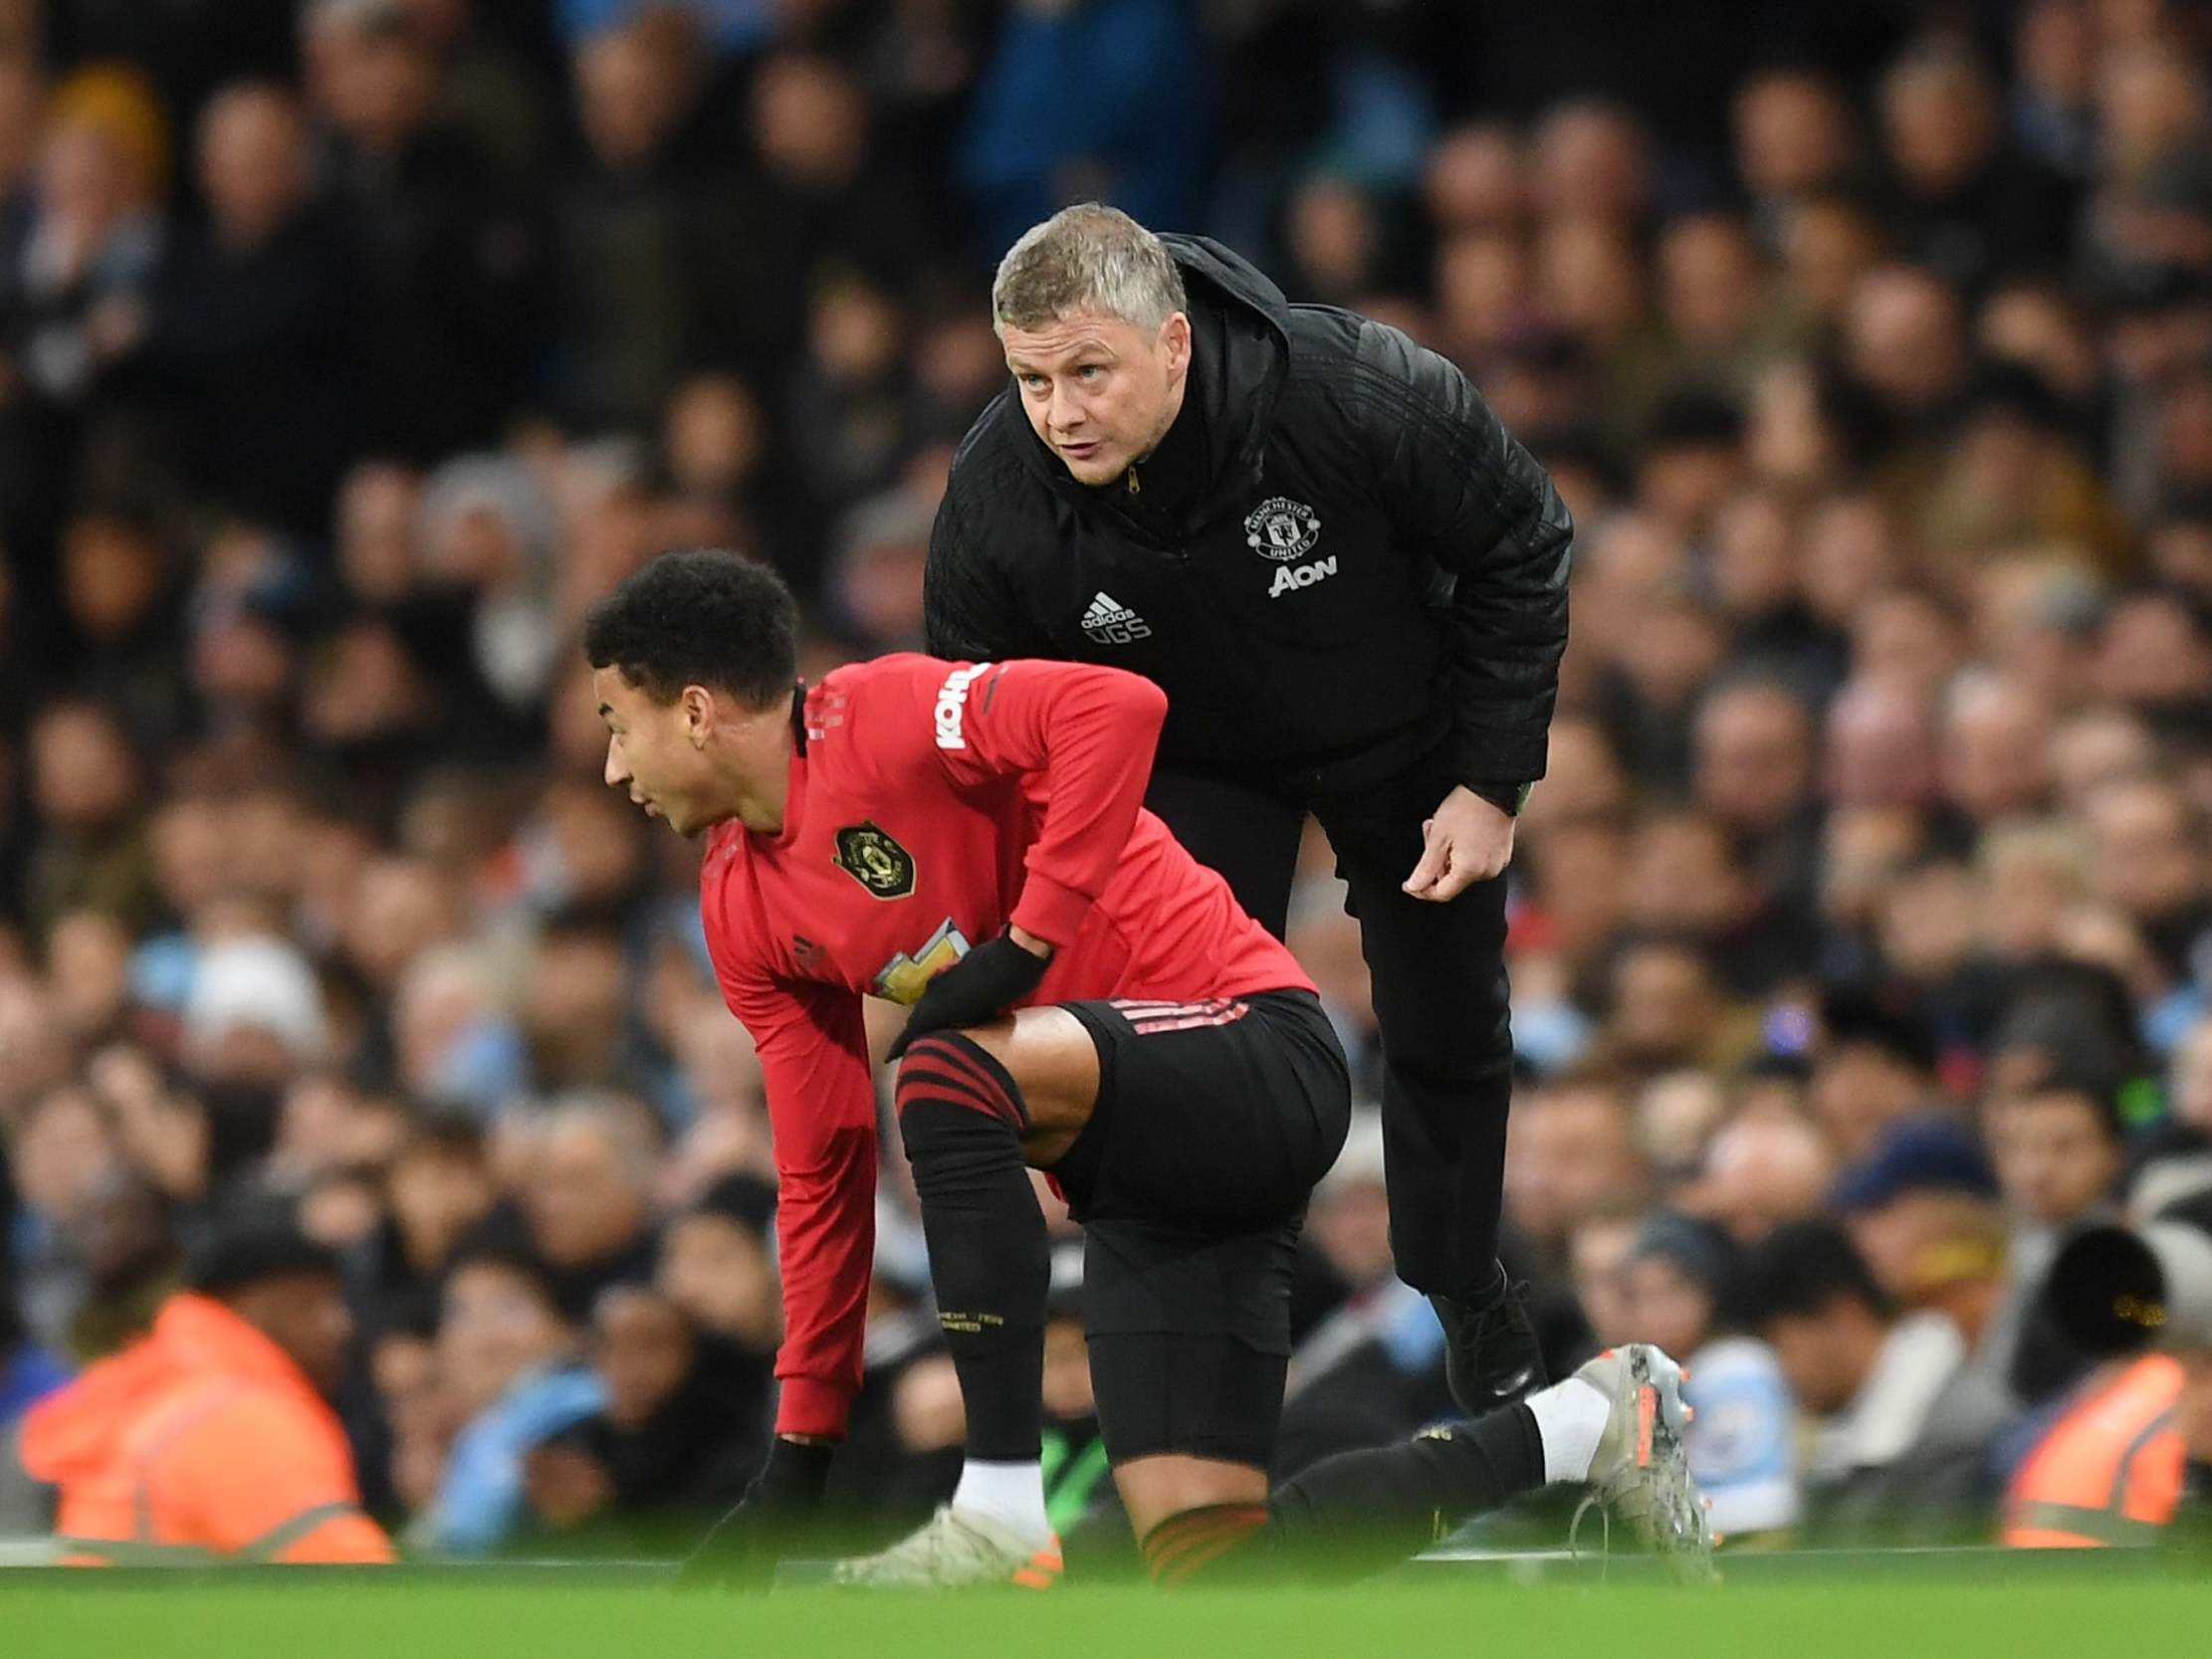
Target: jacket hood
[(74, 1432), (1238, 397)]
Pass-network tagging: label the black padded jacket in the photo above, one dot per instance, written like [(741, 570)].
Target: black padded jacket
[(1367, 565)]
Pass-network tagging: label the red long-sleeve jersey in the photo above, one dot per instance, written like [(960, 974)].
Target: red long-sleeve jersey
[(931, 804)]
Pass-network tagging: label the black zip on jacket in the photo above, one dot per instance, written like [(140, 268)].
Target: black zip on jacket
[(1352, 560)]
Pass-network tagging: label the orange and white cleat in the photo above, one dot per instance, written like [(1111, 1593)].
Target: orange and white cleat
[(1640, 1471), (1041, 1571), (955, 1549)]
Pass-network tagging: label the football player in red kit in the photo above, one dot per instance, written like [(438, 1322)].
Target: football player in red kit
[(968, 839)]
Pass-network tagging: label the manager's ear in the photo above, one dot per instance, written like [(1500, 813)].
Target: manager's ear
[(1175, 340)]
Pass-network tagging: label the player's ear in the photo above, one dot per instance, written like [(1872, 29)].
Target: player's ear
[(697, 706)]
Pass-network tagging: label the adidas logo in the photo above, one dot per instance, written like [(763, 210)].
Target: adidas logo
[(1110, 622)]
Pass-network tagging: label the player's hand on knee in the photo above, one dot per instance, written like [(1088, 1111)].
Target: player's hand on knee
[(1467, 841), (778, 1511), (974, 990)]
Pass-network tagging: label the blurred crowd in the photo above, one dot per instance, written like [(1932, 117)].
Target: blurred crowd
[(1861, 930)]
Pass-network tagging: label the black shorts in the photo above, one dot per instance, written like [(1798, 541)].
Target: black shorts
[(1214, 1123)]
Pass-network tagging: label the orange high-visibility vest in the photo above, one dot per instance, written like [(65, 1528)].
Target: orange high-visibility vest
[(201, 1442), (2109, 1470)]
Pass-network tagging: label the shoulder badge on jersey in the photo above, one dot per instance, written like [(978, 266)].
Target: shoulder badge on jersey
[(875, 861)]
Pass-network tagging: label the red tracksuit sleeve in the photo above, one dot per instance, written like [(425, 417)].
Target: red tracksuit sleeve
[(822, 1112), (1083, 738)]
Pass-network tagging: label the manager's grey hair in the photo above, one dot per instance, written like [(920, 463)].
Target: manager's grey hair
[(1090, 258)]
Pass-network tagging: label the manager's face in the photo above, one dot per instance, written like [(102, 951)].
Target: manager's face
[(1099, 391)]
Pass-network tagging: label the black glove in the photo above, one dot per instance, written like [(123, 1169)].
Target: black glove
[(974, 990), (775, 1513)]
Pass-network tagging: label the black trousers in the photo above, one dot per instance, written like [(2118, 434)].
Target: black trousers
[(1440, 988)]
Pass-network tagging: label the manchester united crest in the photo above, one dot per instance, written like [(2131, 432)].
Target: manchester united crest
[(1281, 529), (875, 861)]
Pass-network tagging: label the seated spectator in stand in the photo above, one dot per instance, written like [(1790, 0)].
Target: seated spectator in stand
[(214, 1437), (412, 1427), (1922, 1210), (1667, 1009), (1572, 1153), (508, 1358), (587, 1203), (718, 1266), (1598, 1252), (436, 1190), (1760, 1171), (258, 317), (671, 1449), (124, 1236), (1682, 1283), (1903, 1423), (1872, 1067), (83, 238), (2059, 1154), (87, 795), (61, 1147)]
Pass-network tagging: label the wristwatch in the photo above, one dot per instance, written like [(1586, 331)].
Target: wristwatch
[(1508, 798)]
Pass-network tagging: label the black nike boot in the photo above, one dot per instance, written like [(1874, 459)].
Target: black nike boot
[(1491, 1358)]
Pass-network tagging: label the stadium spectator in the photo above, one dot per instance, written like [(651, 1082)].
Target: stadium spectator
[(716, 1266), (1905, 1423), (452, 271), (1870, 1068), (1682, 1285), (210, 1437), (586, 1199), (1966, 205), (256, 331), (437, 1188), (1762, 1171), (1572, 1153), (509, 1367), (672, 1446), (2109, 1464), (82, 250), (120, 1236), (1922, 1209)]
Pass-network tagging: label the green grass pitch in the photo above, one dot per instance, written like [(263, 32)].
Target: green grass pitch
[(549, 1617)]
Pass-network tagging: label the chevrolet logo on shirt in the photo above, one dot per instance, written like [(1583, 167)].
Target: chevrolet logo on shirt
[(903, 978)]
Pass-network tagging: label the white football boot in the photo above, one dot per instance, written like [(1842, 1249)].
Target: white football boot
[(1641, 1470), (955, 1549)]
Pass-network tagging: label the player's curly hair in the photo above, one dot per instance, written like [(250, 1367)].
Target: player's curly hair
[(699, 616)]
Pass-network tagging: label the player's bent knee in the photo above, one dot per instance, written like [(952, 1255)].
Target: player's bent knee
[(952, 1067)]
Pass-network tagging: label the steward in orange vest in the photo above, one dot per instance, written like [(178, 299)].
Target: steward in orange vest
[(2109, 1470), (210, 1438)]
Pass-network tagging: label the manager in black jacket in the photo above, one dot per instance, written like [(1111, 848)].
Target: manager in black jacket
[(1352, 583)]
